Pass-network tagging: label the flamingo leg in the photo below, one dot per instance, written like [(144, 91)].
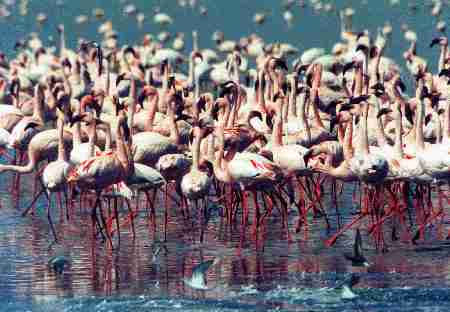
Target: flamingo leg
[(49, 217), (166, 207), (102, 218), (257, 215), (30, 207), (131, 217), (116, 216)]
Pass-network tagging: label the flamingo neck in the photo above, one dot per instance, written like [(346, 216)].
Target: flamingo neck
[(437, 122), (219, 164), (234, 109), (398, 146), (211, 147), (132, 100), (151, 114), (381, 135), (348, 140), (420, 144), (191, 71), (304, 121), (62, 43), (108, 78), (260, 102), (277, 132), (442, 57), (38, 105), (123, 152), (62, 155), (174, 132), (108, 137), (196, 150), (33, 156), (92, 129), (292, 104), (446, 134)]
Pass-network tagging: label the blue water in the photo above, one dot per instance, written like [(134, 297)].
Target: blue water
[(299, 276)]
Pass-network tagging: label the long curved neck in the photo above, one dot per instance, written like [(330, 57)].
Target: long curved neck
[(363, 144), (227, 113), (191, 72), (442, 57), (92, 139), (62, 155), (16, 94), (220, 170), (174, 132), (153, 107), (123, 152), (235, 71), (348, 138), (381, 135), (446, 134), (165, 80), (260, 92), (234, 110), (196, 86), (315, 98), (62, 43), (304, 117), (38, 103), (108, 136), (132, 99), (277, 133), (420, 144), (33, 158), (108, 76), (398, 146), (292, 105), (196, 150), (437, 122), (412, 47), (76, 129), (211, 147)]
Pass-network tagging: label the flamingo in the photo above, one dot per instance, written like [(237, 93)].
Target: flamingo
[(103, 171), (150, 146), (55, 174), (196, 183)]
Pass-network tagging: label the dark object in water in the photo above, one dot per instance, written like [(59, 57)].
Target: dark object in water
[(357, 258), (57, 264)]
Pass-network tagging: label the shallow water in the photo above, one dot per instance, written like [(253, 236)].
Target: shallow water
[(277, 276)]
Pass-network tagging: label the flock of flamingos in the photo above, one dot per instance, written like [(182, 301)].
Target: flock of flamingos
[(114, 129)]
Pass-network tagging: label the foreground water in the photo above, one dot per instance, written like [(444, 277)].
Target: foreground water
[(278, 276), (299, 276)]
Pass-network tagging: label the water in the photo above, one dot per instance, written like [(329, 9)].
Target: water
[(298, 276)]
